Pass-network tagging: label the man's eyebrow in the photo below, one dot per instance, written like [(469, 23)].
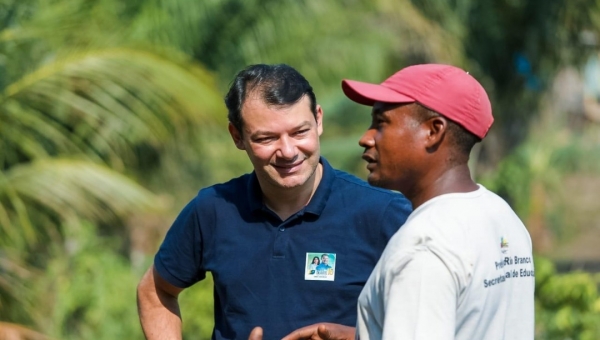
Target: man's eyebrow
[(260, 133), (378, 111)]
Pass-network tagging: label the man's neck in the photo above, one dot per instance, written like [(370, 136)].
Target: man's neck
[(452, 180), (286, 202)]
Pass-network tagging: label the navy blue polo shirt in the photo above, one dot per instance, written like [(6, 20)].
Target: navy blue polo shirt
[(261, 264)]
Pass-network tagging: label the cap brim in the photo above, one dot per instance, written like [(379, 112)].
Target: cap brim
[(369, 94)]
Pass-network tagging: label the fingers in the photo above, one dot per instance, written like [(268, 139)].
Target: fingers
[(304, 333), (330, 331), (324, 332), (256, 334)]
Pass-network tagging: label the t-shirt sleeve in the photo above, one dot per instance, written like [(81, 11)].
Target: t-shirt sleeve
[(179, 259), (421, 300)]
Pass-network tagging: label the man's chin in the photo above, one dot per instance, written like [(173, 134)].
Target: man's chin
[(377, 181), (290, 182), (372, 179)]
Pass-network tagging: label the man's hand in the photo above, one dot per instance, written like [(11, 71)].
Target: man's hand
[(322, 331), (256, 334)]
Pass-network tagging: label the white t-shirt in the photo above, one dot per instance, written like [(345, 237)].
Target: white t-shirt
[(461, 267)]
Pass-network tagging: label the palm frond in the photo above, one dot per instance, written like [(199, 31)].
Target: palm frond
[(15, 286), (65, 188), (63, 185), (101, 103)]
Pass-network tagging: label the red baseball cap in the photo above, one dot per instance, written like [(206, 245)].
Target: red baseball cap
[(445, 89)]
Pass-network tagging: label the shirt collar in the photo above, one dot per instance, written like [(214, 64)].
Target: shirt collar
[(317, 202)]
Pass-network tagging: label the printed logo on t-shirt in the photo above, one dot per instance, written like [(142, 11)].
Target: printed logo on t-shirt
[(503, 245), (509, 268), (320, 266)]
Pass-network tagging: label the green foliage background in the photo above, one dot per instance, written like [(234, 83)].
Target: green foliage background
[(111, 118)]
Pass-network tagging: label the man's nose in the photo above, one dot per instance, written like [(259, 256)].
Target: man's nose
[(287, 148), (367, 140)]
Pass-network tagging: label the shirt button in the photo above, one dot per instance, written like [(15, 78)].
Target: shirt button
[(282, 229)]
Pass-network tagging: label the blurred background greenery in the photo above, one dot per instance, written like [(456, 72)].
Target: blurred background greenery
[(111, 118)]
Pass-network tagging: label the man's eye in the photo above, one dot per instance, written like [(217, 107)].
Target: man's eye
[(263, 139), (302, 132)]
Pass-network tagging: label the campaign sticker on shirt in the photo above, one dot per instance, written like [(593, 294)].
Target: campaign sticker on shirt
[(320, 266)]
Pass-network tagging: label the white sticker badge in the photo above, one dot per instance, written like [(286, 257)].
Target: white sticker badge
[(320, 266)]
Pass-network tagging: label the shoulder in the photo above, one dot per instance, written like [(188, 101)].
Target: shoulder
[(466, 207), (225, 190), (350, 183), (362, 204), (376, 206), (234, 194), (455, 220), (355, 191)]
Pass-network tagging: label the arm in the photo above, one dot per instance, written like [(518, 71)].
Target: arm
[(158, 308)]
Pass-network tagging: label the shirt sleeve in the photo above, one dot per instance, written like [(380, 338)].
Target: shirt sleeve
[(179, 259), (421, 300)]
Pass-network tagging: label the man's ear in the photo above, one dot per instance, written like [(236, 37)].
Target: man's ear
[(436, 131), (319, 118), (236, 136)]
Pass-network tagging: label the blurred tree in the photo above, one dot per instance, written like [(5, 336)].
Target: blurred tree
[(517, 48), (325, 41), (82, 114), (514, 48), (567, 305)]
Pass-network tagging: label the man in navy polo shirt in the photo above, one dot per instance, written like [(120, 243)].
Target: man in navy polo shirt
[(258, 234)]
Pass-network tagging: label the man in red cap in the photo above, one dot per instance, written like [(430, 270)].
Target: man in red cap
[(461, 267)]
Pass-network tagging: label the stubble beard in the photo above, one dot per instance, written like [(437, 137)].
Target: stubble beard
[(280, 181)]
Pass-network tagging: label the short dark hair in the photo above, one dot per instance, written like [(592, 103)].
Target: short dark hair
[(277, 85), (463, 139)]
